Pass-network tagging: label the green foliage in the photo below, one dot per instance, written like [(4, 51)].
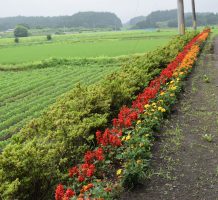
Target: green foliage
[(206, 79), (159, 19), (45, 147), (49, 37), (20, 31), (16, 40), (208, 137)]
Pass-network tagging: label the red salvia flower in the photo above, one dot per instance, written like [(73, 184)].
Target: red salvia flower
[(73, 171), (69, 193), (59, 192)]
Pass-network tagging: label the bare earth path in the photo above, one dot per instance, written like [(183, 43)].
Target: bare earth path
[(185, 163)]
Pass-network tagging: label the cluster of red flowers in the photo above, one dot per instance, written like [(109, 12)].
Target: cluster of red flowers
[(82, 172), (109, 137), (91, 156), (126, 118), (60, 193), (155, 85)]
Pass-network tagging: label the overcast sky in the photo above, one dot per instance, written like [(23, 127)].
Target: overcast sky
[(125, 9)]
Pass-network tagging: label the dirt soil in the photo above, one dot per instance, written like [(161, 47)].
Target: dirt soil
[(185, 157)]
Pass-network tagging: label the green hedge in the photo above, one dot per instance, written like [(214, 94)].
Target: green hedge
[(37, 156)]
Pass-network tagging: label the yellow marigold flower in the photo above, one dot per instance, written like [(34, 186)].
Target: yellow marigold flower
[(128, 137), (119, 172), (163, 110), (123, 138), (181, 73), (146, 106), (172, 95), (152, 110), (171, 82), (159, 108), (162, 93), (153, 104), (173, 88), (139, 122)]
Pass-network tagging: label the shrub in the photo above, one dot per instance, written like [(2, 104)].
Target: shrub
[(16, 40), (49, 37), (20, 31)]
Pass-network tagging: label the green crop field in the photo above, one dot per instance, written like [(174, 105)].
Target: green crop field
[(81, 45), (29, 85), (25, 94)]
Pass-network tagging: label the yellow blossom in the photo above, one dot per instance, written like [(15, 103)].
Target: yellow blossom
[(171, 82), (163, 110), (128, 137), (139, 122), (146, 106), (172, 95), (162, 93), (173, 88), (159, 108), (119, 172)]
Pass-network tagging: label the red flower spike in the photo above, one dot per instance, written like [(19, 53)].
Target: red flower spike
[(59, 192), (69, 193)]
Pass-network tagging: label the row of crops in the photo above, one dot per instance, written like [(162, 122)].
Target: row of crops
[(38, 156), (26, 93)]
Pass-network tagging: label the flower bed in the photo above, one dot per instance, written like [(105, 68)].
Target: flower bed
[(124, 151)]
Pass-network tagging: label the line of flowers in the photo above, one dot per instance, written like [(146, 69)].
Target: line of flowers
[(123, 152)]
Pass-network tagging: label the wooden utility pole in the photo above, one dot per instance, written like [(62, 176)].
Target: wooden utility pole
[(181, 17), (194, 15)]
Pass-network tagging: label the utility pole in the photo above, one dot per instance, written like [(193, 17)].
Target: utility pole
[(194, 15), (181, 17)]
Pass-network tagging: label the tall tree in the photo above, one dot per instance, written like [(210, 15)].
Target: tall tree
[(181, 17), (194, 15)]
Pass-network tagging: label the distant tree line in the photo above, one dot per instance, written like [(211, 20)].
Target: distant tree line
[(81, 19), (168, 18)]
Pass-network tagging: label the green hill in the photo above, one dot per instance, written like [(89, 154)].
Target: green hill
[(81, 19), (168, 18)]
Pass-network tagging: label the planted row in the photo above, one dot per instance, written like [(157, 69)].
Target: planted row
[(123, 152)]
